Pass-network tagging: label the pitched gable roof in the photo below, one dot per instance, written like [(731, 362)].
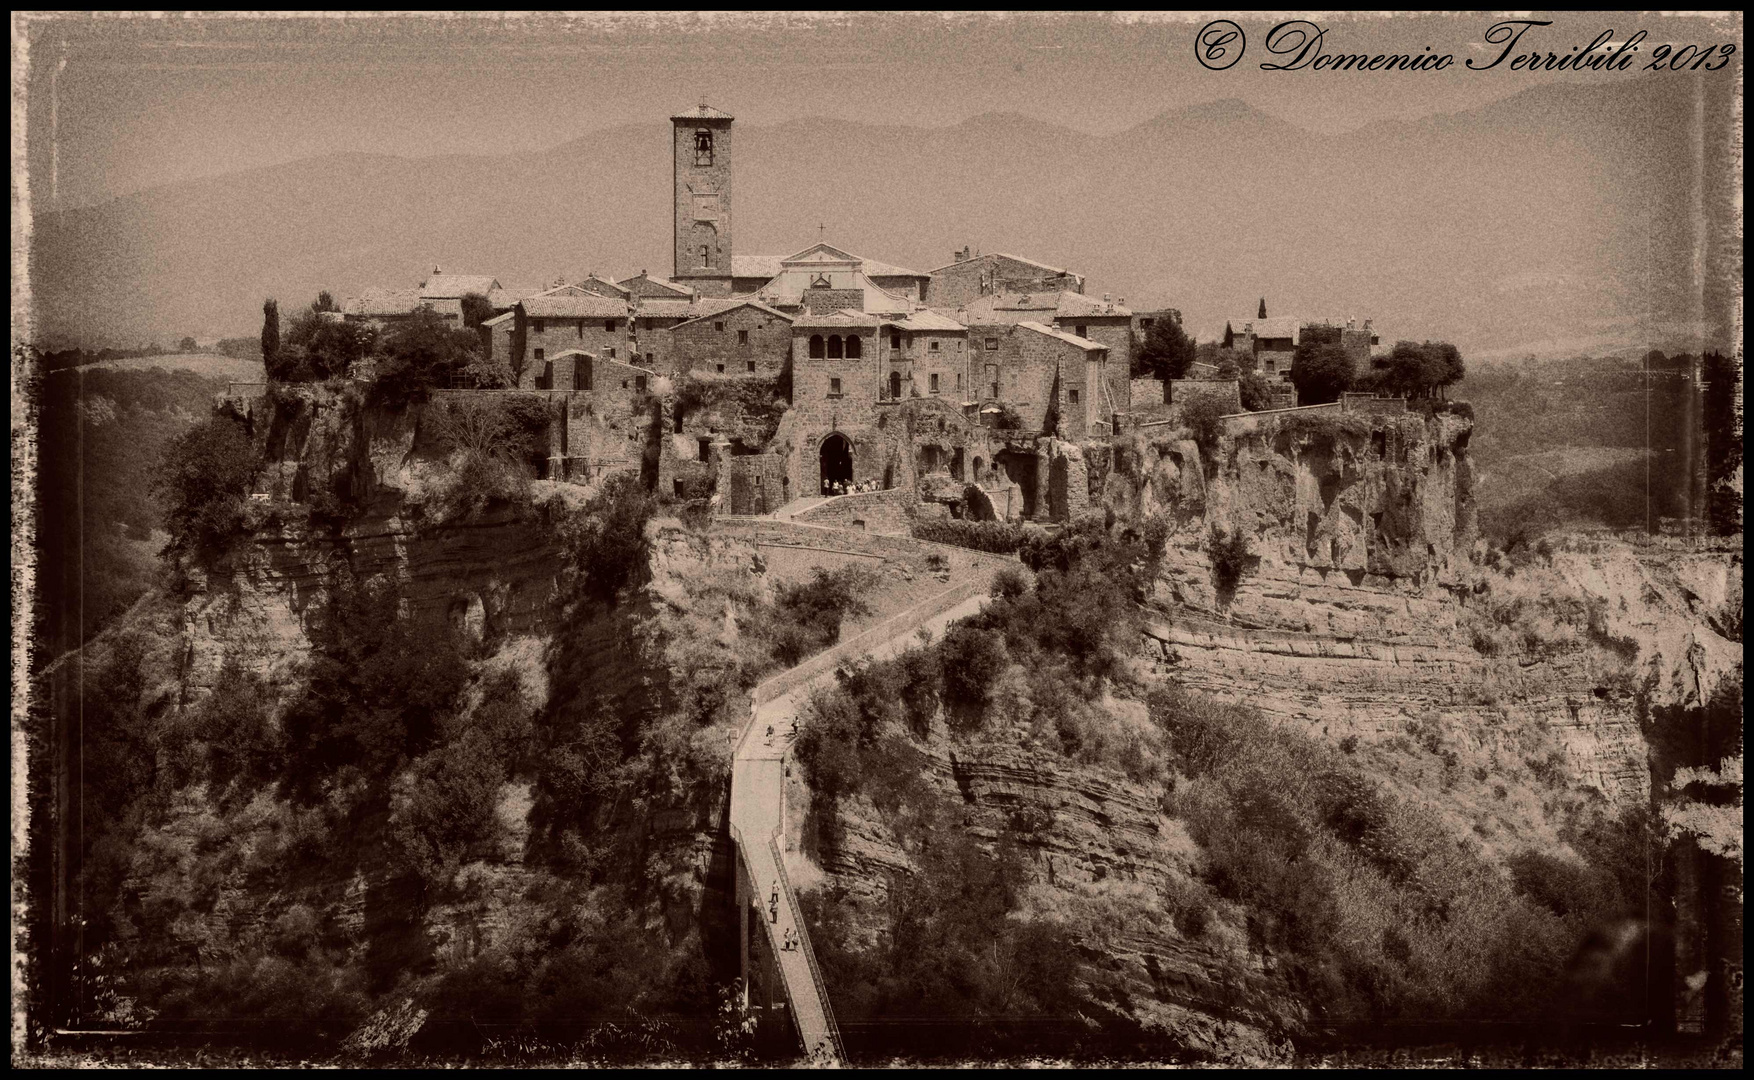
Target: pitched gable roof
[(756, 304), (452, 286), (576, 306), (1071, 339), (756, 266), (991, 255)]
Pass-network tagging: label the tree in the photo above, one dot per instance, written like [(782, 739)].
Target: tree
[(271, 338), (202, 479), (477, 309), (1166, 353), (1262, 313), (187, 345), (319, 348), (324, 302), (1416, 370), (1256, 392), (420, 353), (1321, 372)]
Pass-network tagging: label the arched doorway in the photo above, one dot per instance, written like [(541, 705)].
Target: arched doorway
[(837, 462)]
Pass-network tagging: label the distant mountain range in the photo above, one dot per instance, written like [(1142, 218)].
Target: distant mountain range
[(1559, 220)]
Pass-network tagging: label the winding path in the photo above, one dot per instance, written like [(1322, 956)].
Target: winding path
[(758, 792)]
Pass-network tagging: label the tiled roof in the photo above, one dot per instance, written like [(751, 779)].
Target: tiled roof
[(688, 309), (873, 268), (601, 280), (1071, 339), (1003, 255), (1072, 305), (644, 279), (450, 286), (384, 302), (929, 320), (756, 304), (836, 320), (573, 307), (762, 266), (1278, 326), (703, 111)]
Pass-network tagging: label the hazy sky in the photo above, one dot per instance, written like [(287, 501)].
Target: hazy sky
[(122, 103)]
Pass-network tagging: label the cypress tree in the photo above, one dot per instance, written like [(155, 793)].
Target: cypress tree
[(270, 337), (1261, 314)]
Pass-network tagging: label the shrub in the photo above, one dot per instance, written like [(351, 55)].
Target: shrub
[(1009, 583), (605, 544), (998, 537), (419, 354), (202, 480), (1202, 417), (1229, 552), (809, 613), (971, 659)]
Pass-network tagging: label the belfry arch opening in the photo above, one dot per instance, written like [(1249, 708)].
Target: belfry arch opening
[(837, 462)]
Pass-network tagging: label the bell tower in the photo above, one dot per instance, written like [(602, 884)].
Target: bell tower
[(702, 158)]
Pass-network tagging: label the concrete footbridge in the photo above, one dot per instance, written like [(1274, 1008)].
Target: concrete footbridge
[(758, 800)]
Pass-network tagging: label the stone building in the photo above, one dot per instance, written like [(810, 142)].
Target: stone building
[(545, 325), (925, 355), (1273, 341), (746, 338), (969, 276), (1103, 321)]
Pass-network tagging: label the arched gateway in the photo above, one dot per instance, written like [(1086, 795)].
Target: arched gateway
[(837, 462)]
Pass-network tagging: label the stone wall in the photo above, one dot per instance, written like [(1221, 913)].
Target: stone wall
[(873, 511), (963, 281), (1182, 391), (743, 340), (1144, 393)]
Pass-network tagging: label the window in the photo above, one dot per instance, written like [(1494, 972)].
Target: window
[(932, 346), (540, 355), (1146, 323), (1080, 331), (959, 382), (934, 384), (608, 326), (816, 352), (895, 385), (853, 350), (751, 365), (895, 340), (742, 337), (541, 326), (834, 388), (639, 383), (706, 255), (721, 369), (676, 486), (1073, 396), (706, 449), (834, 347), (648, 358), (1269, 364), (581, 328), (703, 147), (719, 326), (992, 344), (611, 352)]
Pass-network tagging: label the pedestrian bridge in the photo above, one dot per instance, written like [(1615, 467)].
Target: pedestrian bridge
[(758, 802)]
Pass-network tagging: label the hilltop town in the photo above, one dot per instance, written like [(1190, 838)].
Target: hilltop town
[(967, 387)]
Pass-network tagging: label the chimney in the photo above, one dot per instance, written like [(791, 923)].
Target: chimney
[(960, 256)]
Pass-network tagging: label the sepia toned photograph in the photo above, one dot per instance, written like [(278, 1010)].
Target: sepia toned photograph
[(877, 539)]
